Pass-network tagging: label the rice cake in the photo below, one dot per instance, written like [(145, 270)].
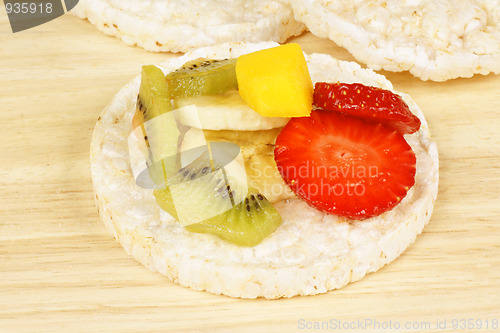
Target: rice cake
[(183, 25), (310, 253), (433, 40)]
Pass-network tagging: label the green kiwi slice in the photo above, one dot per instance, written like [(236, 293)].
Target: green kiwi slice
[(154, 97), (246, 224), (158, 125), (244, 218), (201, 77)]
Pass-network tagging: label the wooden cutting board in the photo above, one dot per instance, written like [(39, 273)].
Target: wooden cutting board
[(61, 271)]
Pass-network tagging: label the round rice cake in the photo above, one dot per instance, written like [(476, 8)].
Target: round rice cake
[(436, 40), (184, 25), (310, 253)]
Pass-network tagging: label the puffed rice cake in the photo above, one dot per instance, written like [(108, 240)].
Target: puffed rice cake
[(310, 253), (184, 25), (432, 39)]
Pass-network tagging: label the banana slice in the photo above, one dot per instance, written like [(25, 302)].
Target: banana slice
[(227, 111), (250, 142), (263, 175)]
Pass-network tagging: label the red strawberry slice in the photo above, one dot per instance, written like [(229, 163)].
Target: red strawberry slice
[(345, 165), (366, 102)]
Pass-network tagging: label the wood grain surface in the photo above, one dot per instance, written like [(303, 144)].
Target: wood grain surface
[(61, 272)]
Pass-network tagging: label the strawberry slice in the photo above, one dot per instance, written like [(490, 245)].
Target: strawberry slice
[(345, 165), (373, 103)]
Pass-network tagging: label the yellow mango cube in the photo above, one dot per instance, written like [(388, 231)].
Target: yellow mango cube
[(276, 82)]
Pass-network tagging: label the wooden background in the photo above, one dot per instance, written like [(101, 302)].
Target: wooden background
[(61, 271)]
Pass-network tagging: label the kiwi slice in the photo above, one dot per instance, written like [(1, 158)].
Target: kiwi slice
[(202, 77), (244, 218), (154, 97), (246, 224), (192, 188), (158, 125)]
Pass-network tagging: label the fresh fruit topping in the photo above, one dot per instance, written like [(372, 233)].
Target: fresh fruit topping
[(211, 201), (257, 149), (158, 129), (226, 111), (345, 165), (373, 103), (246, 224), (263, 174), (275, 82), (153, 99), (202, 189), (202, 77)]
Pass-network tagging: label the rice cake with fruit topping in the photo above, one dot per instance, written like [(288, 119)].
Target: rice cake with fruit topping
[(433, 40), (310, 253), (181, 26)]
